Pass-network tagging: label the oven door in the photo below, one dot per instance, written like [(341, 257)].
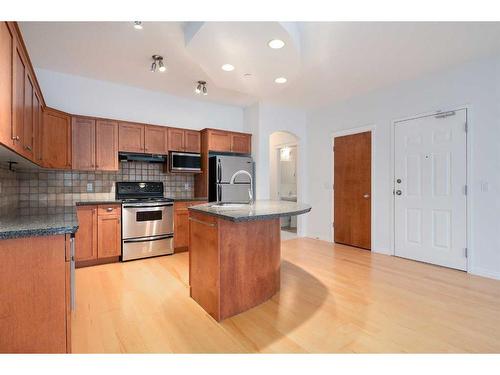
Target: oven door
[(147, 220), (185, 162)]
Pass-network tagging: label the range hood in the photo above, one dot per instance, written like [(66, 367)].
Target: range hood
[(147, 158)]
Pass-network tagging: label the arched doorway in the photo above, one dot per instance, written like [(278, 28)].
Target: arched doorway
[(284, 172)]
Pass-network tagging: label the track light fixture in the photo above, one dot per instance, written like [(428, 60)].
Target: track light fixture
[(158, 64), (201, 88), (138, 25)]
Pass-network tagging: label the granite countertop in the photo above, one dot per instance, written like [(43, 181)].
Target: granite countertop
[(101, 201), (15, 225), (260, 210)]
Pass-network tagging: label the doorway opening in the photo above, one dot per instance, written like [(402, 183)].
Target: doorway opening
[(284, 156), (352, 188)]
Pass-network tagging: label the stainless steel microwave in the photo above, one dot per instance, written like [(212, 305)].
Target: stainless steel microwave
[(185, 162)]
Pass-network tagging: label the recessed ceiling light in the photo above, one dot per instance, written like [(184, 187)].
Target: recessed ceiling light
[(276, 43), (280, 80), (138, 25), (227, 67)]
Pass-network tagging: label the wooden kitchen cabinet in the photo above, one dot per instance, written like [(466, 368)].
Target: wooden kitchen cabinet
[(35, 295), (130, 137), (192, 141), (56, 139), (106, 141), (155, 139), (6, 42), (241, 143), (83, 136), (183, 140), (18, 87), (37, 127), (86, 235), (181, 224), (109, 236), (219, 140)]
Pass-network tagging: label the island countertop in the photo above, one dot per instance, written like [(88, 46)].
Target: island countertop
[(259, 210), (16, 225)]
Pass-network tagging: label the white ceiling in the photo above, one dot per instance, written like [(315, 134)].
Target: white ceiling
[(323, 61)]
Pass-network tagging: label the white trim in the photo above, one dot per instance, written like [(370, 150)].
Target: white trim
[(470, 192), (341, 133)]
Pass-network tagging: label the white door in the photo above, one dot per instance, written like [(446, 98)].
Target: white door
[(430, 189)]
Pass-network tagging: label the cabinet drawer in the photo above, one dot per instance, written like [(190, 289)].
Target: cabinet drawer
[(109, 209)]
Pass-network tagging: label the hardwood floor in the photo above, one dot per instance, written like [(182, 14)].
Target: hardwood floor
[(332, 299)]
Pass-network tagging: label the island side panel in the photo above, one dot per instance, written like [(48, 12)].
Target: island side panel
[(204, 262), (250, 256)]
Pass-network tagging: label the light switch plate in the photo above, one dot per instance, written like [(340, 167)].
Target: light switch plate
[(90, 187)]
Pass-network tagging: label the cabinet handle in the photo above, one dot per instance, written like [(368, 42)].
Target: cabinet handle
[(28, 148), (16, 138), (109, 209)]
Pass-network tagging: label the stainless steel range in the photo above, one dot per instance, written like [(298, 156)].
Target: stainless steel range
[(147, 220)]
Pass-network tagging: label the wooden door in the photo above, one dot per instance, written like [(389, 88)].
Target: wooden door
[(175, 139), (219, 141), (83, 135), (240, 143), (352, 190), (5, 85), (27, 137), (18, 111), (106, 145), (109, 236), (155, 139), (37, 127), (56, 139), (86, 235), (130, 137), (192, 141)]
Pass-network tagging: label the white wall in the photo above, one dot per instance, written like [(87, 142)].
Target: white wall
[(84, 96), (264, 119), (475, 85)]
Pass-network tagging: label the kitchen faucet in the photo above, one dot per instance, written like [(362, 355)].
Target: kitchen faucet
[(250, 191)]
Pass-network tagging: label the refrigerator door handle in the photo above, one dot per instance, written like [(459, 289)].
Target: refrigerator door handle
[(219, 172), (219, 193)]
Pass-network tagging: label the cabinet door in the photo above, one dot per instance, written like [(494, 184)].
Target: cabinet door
[(155, 139), (241, 143), (18, 76), (109, 239), (56, 139), (175, 139), (37, 127), (130, 137), (107, 145), (27, 136), (83, 132), (192, 141), (5, 85), (181, 228), (86, 235), (219, 141)]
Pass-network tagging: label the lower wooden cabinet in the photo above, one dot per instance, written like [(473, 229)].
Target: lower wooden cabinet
[(98, 239), (181, 224), (35, 295)]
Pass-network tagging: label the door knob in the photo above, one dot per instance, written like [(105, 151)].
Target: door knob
[(398, 192), (366, 196)]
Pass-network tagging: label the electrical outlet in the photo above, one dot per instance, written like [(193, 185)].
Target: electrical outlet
[(187, 186), (90, 187)]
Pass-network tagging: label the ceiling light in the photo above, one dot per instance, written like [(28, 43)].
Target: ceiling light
[(158, 64), (276, 43), (227, 67), (138, 25), (201, 88), (280, 80)]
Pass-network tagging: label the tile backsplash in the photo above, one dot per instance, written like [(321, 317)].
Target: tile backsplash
[(9, 190), (40, 191)]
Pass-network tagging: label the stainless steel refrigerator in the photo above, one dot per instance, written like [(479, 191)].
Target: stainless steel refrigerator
[(230, 179)]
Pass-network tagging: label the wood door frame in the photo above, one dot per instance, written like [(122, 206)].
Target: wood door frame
[(468, 174), (342, 133)]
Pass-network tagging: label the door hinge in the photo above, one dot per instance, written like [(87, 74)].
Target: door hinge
[(466, 253), (466, 127), (465, 189), (333, 186), (333, 148), (333, 225)]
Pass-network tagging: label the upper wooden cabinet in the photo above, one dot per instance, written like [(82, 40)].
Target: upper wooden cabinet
[(106, 145), (6, 42), (56, 139), (155, 139), (183, 140), (130, 137), (83, 130), (224, 141)]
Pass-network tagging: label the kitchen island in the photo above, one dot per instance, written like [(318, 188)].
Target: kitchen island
[(235, 254)]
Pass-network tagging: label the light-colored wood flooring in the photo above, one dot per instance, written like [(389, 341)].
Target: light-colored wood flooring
[(332, 299)]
